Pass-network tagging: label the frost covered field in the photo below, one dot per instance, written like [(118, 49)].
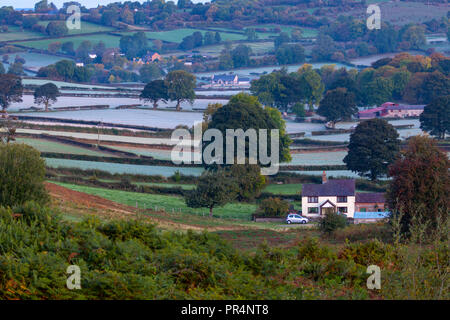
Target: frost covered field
[(28, 101)]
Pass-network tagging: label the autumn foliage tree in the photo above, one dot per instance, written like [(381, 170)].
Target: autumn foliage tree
[(420, 185)]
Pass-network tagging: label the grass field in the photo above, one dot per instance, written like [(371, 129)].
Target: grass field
[(59, 84), (122, 168), (241, 211), (166, 185), (290, 189), (257, 47), (14, 33), (178, 35), (307, 32), (86, 27), (109, 41), (35, 60), (51, 146)]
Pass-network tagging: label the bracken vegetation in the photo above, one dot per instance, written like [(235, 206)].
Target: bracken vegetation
[(133, 260)]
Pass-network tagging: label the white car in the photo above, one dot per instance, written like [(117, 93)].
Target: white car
[(296, 218)]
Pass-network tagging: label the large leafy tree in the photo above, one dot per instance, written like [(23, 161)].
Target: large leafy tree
[(290, 53), (134, 45), (57, 29), (379, 91), (420, 185), (10, 90), (435, 85), (338, 104), (244, 111), (241, 56), (248, 179), (435, 117), (214, 189), (155, 91), (65, 69), (311, 85), (374, 145), (46, 94), (181, 85)]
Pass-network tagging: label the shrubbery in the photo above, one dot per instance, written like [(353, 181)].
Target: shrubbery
[(273, 207), (134, 260), (361, 232), (332, 222), (22, 175)]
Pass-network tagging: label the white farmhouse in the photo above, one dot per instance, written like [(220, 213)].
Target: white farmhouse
[(333, 195), (339, 195)]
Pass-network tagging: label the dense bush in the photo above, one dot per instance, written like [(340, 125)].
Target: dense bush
[(362, 232), (332, 222), (273, 207), (21, 176)]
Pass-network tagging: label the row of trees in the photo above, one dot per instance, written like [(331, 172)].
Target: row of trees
[(197, 39), (177, 86), (11, 91)]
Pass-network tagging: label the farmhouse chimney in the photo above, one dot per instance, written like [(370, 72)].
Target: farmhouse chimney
[(324, 177)]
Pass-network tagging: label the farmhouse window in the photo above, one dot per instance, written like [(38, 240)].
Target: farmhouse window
[(341, 199), (313, 199), (342, 209), (313, 210)]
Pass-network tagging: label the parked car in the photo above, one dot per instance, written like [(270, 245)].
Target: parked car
[(296, 218)]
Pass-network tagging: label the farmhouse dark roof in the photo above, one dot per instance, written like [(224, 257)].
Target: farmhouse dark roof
[(335, 187), (370, 197), (224, 77)]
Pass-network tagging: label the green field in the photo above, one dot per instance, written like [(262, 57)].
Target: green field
[(14, 33), (86, 27), (307, 32), (241, 211), (166, 185), (109, 41), (294, 188), (178, 35), (257, 47), (56, 147)]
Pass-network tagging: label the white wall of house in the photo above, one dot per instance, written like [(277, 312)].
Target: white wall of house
[(350, 205)]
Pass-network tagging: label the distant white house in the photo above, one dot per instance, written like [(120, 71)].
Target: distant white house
[(227, 81)]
